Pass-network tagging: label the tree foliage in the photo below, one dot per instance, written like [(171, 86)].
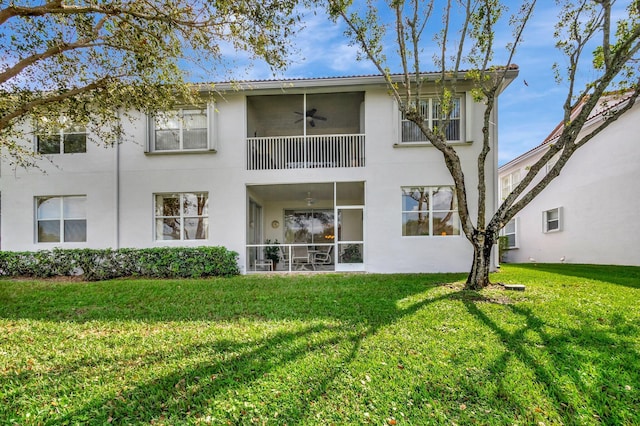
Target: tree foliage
[(587, 33), (85, 61)]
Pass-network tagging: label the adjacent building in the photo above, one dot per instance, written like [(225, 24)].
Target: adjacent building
[(588, 214)]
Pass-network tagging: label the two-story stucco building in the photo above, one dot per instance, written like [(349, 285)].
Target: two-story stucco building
[(327, 167), (588, 214)]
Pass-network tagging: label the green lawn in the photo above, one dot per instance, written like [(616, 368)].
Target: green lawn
[(325, 349)]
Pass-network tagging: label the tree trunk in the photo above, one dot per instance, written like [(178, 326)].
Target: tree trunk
[(479, 276)]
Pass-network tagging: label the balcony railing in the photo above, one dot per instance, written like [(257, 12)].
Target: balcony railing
[(305, 152)]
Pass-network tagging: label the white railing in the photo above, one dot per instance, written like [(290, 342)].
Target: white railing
[(314, 257), (305, 152)]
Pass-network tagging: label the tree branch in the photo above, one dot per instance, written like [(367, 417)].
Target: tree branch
[(30, 106), (509, 208), (58, 8), (402, 49), (52, 51)]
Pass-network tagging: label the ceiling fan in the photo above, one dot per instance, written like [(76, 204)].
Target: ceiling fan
[(310, 200), (310, 116)]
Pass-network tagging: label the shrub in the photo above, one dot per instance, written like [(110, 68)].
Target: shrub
[(102, 264)]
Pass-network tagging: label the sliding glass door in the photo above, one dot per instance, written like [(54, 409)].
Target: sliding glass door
[(308, 226)]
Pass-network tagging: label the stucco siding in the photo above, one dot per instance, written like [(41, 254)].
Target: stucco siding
[(120, 182)]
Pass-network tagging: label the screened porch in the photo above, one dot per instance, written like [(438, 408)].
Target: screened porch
[(305, 131), (305, 227)]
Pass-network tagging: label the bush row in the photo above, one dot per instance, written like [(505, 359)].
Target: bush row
[(102, 264)]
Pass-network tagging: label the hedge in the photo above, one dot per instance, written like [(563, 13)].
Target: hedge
[(102, 264)]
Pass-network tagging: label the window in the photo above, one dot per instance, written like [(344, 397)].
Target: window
[(510, 231), (309, 226), (432, 112), (70, 140), (429, 211), (508, 183), (182, 216), (61, 219), (186, 129), (552, 220)]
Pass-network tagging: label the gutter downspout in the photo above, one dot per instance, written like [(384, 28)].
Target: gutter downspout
[(117, 188), (494, 177)]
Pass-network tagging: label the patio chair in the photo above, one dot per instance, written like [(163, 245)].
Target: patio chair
[(284, 255), (323, 257), (263, 263), (302, 258)]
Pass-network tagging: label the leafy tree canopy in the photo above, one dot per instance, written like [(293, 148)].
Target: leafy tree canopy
[(85, 61)]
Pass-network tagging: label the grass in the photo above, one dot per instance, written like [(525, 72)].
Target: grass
[(325, 349)]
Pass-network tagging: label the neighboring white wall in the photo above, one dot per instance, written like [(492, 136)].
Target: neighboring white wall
[(224, 176), (600, 200)]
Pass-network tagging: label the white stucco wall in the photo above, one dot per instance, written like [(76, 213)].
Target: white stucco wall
[(120, 182), (600, 199), (91, 174)]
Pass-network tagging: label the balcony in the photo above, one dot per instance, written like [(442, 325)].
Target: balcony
[(305, 152), (304, 131)]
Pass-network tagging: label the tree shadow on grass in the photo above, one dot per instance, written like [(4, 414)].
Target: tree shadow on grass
[(186, 392), (334, 320), (628, 276), (230, 376), (577, 369)]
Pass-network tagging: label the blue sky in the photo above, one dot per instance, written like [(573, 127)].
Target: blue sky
[(527, 112)]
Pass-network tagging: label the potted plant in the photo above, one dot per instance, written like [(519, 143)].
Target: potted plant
[(272, 251), (351, 254)]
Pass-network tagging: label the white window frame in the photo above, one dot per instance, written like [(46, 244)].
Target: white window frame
[(546, 220), (505, 232), (60, 133), (508, 183), (431, 211), (60, 218), (427, 105), (552, 162), (209, 112), (181, 217)]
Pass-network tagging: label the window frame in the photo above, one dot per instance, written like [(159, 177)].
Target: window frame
[(546, 221), (61, 218), (312, 213), (512, 180), (431, 211), (505, 233), (552, 162), (182, 216), (60, 134), (208, 110), (428, 113)]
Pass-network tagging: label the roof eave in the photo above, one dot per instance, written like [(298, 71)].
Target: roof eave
[(522, 157), (363, 80)]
